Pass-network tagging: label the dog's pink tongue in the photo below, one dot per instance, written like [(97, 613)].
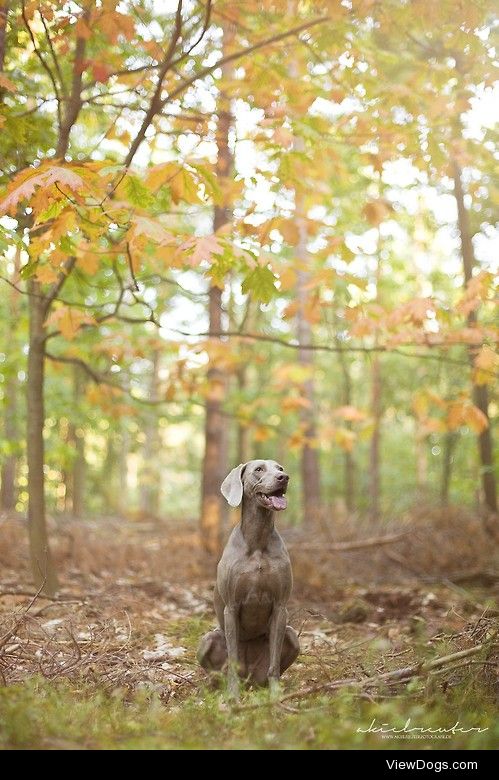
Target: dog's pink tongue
[(279, 502)]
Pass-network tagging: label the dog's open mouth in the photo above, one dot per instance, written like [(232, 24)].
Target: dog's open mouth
[(275, 500)]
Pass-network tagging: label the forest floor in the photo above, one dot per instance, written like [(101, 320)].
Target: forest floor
[(111, 663)]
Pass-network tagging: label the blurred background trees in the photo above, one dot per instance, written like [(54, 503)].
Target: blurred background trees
[(235, 232)]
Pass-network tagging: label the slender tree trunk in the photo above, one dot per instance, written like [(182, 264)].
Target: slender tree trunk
[(480, 392), (376, 414), (41, 558), (421, 463), (348, 458), (4, 12), (149, 489), (310, 467), (243, 438), (9, 465), (215, 467), (122, 502), (450, 441), (77, 439), (374, 454)]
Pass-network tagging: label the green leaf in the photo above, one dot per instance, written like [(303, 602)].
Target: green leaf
[(67, 245), (137, 193), (29, 269), (260, 281), (52, 211)]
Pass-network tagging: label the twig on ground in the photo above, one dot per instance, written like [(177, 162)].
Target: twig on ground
[(375, 541)]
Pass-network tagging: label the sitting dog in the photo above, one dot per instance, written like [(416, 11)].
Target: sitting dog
[(254, 582)]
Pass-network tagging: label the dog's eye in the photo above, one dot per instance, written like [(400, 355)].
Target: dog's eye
[(259, 468), (280, 468)]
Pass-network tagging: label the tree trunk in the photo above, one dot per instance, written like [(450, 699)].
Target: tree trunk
[(348, 458), (41, 558), (310, 468), (215, 467), (376, 413), (4, 12), (421, 463), (243, 437), (9, 465), (374, 454), (450, 441), (77, 439), (149, 488), (480, 392)]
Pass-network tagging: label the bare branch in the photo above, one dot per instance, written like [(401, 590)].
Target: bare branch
[(54, 56), (361, 544), (59, 284), (44, 65), (206, 24), (130, 266), (242, 53), (74, 102), (156, 103)]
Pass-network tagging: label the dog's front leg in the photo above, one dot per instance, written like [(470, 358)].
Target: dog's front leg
[(277, 631), (231, 637)]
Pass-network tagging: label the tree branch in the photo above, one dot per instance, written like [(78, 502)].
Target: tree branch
[(242, 53), (155, 104), (44, 65), (54, 56), (74, 102), (361, 544), (396, 675), (59, 284)]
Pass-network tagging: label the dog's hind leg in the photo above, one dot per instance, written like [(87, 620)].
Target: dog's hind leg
[(290, 648), (212, 651)]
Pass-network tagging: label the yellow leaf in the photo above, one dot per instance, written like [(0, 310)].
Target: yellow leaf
[(262, 433), (476, 419), (485, 366), (287, 278), (68, 320), (46, 274), (290, 231), (88, 262), (293, 403), (161, 174)]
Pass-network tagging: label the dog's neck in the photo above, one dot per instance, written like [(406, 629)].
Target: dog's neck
[(257, 525)]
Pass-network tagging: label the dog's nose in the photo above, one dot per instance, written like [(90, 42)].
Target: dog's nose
[(282, 477)]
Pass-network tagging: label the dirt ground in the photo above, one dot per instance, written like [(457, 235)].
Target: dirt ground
[(136, 597)]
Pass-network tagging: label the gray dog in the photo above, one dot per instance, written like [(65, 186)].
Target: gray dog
[(254, 583)]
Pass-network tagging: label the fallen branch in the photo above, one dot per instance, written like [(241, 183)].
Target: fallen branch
[(396, 675), (9, 634), (373, 541)]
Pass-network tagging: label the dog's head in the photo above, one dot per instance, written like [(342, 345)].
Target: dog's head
[(264, 481)]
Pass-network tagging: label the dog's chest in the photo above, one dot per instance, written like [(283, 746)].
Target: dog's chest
[(258, 579)]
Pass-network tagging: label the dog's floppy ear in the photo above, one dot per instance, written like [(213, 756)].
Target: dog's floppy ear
[(232, 486)]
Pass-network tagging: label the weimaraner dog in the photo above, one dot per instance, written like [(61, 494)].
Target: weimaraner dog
[(254, 582)]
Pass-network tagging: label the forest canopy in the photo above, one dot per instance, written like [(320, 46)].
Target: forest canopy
[(237, 229)]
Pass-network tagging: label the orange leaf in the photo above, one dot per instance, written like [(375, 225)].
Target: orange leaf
[(68, 320), (350, 413), (199, 249), (6, 83), (54, 174)]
